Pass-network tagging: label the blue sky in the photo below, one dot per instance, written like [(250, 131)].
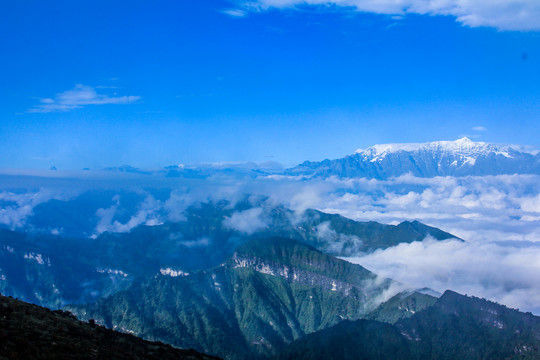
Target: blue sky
[(153, 83)]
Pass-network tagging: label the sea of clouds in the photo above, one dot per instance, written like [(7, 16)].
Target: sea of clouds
[(498, 217)]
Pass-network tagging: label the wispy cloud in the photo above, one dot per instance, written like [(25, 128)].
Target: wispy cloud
[(148, 213), (78, 97), (247, 221), (16, 208), (479, 128), (235, 12), (521, 15)]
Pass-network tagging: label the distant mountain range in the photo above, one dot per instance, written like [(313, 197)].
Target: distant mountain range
[(249, 278), (201, 171), (462, 157)]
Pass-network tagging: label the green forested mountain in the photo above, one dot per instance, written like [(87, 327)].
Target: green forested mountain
[(30, 332), (53, 271), (359, 340), (340, 236), (455, 327), (84, 216), (461, 327), (269, 293), (402, 305), (276, 291)]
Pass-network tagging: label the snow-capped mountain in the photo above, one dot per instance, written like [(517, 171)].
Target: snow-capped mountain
[(440, 158)]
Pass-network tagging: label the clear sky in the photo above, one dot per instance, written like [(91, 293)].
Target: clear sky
[(153, 83)]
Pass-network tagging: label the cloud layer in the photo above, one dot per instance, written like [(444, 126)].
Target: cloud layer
[(78, 97), (247, 221), (16, 207), (508, 274), (521, 15), (148, 213), (498, 216)]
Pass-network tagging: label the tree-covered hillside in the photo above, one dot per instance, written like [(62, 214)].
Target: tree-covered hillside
[(30, 332), (269, 293), (455, 327)]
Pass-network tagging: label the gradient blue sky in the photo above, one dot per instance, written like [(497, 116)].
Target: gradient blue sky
[(153, 83)]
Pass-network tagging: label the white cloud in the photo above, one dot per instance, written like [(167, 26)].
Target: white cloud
[(531, 204), (501, 207), (78, 97), (202, 242), (505, 273), (14, 216), (148, 213), (479, 208), (176, 205), (337, 243), (374, 286), (247, 221), (479, 128), (18, 207), (235, 13), (521, 15)]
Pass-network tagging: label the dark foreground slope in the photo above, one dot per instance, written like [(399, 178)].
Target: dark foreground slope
[(32, 332), (456, 327), (361, 339)]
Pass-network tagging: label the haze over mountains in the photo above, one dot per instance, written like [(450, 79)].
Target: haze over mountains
[(203, 283), (498, 215), (240, 261), (51, 270)]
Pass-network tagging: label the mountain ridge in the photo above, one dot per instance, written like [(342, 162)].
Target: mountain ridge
[(454, 327), (52, 271), (461, 157), (269, 293)]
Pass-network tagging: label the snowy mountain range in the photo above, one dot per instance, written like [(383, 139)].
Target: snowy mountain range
[(462, 157)]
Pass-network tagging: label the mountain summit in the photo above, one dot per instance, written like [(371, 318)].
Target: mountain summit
[(462, 157), (464, 147)]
